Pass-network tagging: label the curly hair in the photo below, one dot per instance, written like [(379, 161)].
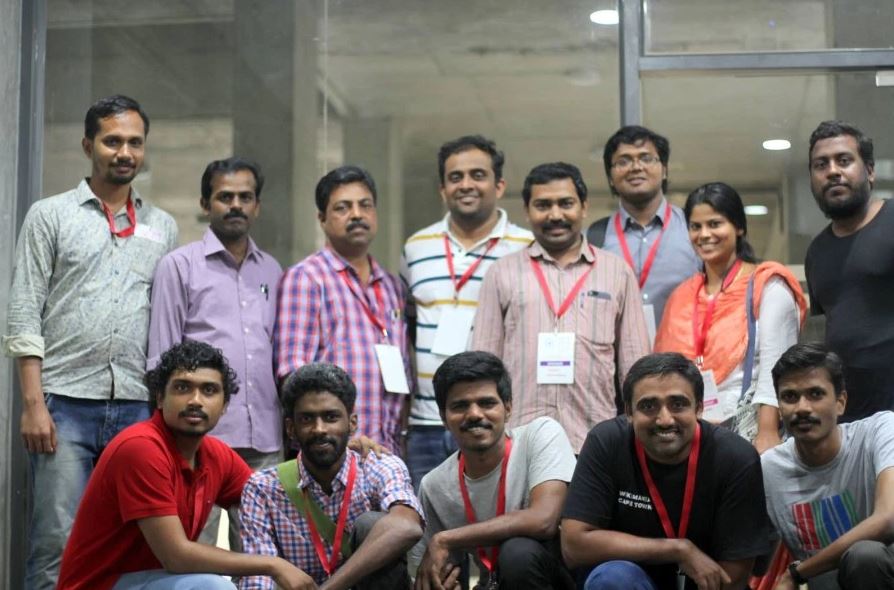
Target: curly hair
[(189, 356)]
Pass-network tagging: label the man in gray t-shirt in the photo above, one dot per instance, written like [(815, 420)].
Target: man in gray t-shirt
[(830, 487), (505, 509)]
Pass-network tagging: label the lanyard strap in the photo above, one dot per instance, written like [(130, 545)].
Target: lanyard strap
[(653, 251), (131, 217), (459, 284), (330, 564), (700, 329), (538, 272), (380, 302), (688, 493), (489, 562)]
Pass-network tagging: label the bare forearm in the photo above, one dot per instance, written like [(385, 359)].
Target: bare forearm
[(875, 528), (29, 378), (597, 546), (521, 523), (390, 538), (192, 557)]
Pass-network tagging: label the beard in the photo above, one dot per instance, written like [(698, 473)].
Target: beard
[(328, 456), (847, 208)]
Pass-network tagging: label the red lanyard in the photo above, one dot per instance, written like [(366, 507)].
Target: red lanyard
[(688, 493), (490, 563), (653, 251), (330, 564), (459, 284), (571, 295), (380, 301), (131, 217), (700, 332)]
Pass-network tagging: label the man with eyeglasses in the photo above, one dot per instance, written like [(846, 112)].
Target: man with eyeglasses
[(655, 240)]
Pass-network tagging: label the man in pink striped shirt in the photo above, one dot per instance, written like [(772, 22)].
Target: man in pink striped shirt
[(565, 317)]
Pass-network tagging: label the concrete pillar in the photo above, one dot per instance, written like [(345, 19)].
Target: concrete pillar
[(275, 118), (376, 144)]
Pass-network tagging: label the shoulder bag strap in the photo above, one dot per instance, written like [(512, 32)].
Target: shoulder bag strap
[(748, 365)]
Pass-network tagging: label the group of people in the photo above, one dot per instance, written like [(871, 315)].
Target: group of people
[(600, 407)]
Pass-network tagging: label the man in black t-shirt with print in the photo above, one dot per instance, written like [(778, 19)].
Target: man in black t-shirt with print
[(660, 499)]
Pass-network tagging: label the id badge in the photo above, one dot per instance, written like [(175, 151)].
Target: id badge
[(555, 358), (391, 364), (713, 408), (454, 328), (492, 583), (681, 580), (649, 314)]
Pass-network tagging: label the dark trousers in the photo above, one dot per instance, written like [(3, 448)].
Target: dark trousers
[(391, 576), (866, 565), (528, 564)]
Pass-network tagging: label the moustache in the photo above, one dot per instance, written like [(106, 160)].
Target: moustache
[(193, 414), (322, 439), (466, 426), (556, 225), (804, 420), (355, 224), (235, 215), (832, 185)]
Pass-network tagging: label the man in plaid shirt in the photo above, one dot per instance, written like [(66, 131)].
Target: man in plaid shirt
[(340, 306), (371, 501)]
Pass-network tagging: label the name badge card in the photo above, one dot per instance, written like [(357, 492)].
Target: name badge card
[(149, 233), (649, 314), (713, 409), (391, 364), (454, 328), (555, 358)]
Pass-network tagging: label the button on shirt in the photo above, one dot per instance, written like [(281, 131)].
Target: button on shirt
[(80, 296), (425, 273), (272, 525), (201, 294), (675, 260), (319, 319), (606, 318)]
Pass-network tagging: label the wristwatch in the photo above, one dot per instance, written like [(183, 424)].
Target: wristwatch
[(795, 574)]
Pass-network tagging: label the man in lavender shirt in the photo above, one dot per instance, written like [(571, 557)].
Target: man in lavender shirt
[(222, 291)]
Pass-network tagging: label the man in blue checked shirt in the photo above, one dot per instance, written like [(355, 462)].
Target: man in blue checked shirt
[(346, 522)]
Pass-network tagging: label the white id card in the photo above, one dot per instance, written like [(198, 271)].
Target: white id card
[(555, 358), (150, 233), (649, 314), (713, 406), (454, 328), (392, 366)]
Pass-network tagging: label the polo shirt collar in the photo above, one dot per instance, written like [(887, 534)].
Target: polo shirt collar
[(627, 219), (211, 245), (85, 194), (535, 250), (498, 231)]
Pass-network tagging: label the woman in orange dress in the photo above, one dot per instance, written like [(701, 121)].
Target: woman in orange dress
[(707, 320)]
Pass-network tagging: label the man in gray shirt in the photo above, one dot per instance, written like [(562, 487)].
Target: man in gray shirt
[(78, 321), (830, 487), (500, 496)]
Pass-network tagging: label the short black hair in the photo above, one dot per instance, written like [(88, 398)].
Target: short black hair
[(318, 378), (189, 356), (469, 366), (724, 199), (662, 364), (339, 177), (810, 355), (546, 173), (466, 143), (228, 166), (631, 135), (108, 107), (829, 129)]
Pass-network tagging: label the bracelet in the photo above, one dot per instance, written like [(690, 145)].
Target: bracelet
[(797, 578)]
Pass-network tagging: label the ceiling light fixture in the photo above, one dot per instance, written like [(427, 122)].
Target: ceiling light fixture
[(604, 17), (775, 145), (756, 210)]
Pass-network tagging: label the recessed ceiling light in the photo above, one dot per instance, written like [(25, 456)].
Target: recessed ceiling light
[(775, 145), (756, 210), (604, 17)]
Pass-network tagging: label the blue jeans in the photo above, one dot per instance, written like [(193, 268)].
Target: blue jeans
[(83, 429), (427, 447), (162, 580), (619, 575)]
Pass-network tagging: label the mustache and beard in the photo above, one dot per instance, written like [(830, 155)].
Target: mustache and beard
[(323, 451), (194, 413), (122, 178), (836, 209)]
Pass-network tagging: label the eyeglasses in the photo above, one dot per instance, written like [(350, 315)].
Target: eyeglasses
[(626, 162)]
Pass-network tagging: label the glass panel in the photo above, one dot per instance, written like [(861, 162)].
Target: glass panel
[(732, 26)]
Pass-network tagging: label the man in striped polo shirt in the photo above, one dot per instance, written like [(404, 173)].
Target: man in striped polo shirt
[(442, 266)]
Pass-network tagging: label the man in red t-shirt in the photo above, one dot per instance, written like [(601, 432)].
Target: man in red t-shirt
[(154, 486)]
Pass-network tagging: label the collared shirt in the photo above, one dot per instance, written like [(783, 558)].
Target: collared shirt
[(200, 293), (675, 260), (319, 319), (425, 273), (272, 525), (607, 320), (80, 296)]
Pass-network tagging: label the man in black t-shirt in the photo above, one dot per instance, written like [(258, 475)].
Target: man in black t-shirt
[(660, 498), (850, 266)]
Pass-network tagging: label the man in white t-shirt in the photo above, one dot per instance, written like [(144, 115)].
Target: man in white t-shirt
[(505, 508), (830, 487)]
